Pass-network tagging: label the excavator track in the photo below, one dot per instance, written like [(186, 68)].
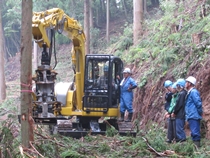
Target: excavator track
[(67, 128), (126, 128)]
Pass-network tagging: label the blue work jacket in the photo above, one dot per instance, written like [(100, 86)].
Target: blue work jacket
[(193, 105), (125, 94)]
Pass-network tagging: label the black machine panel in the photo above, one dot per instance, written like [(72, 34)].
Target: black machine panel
[(102, 81)]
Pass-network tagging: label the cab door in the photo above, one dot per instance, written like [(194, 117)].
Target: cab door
[(101, 90)]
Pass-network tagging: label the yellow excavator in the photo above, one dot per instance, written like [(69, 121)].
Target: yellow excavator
[(74, 108)]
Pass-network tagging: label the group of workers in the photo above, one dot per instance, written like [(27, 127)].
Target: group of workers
[(183, 103)]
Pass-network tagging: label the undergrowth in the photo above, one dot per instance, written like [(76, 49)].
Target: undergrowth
[(147, 143), (166, 42)]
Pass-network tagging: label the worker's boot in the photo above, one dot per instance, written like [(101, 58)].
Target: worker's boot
[(130, 115), (121, 117), (197, 143)]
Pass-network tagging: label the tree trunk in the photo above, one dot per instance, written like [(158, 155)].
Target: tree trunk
[(145, 6), (137, 19), (107, 21), (103, 11), (91, 26), (35, 60), (125, 10), (26, 75), (91, 14), (87, 25), (2, 75)]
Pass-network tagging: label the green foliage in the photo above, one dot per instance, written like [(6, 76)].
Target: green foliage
[(95, 35), (5, 109), (103, 147), (71, 153), (61, 39), (126, 39), (7, 140), (143, 81), (111, 131), (167, 41), (186, 149)]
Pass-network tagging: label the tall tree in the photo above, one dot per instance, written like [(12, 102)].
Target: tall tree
[(26, 74), (2, 76), (125, 9), (87, 25), (145, 6), (137, 19), (91, 14), (107, 21), (35, 55)]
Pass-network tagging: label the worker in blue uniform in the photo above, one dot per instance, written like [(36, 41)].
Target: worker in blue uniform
[(126, 97)]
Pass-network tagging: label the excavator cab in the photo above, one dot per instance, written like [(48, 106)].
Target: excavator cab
[(102, 83)]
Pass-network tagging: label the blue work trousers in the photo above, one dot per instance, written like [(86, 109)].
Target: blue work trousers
[(180, 133), (195, 129), (126, 104), (171, 134)]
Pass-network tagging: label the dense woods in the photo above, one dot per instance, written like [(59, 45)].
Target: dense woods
[(123, 9)]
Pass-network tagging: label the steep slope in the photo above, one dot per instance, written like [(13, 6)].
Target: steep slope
[(181, 53)]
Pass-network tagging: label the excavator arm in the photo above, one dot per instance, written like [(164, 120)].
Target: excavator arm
[(56, 20)]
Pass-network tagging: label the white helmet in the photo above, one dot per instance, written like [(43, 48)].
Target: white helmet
[(127, 70), (191, 79)]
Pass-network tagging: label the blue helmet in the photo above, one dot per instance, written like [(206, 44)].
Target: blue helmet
[(174, 85), (167, 83), (181, 82)]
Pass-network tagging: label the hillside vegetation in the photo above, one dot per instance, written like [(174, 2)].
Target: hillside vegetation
[(174, 44)]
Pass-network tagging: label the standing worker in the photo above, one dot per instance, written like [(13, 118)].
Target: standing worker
[(171, 135), (168, 96), (126, 96), (167, 85), (193, 109), (179, 111)]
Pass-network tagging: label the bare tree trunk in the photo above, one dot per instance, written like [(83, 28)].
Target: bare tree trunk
[(87, 25), (103, 11), (107, 21), (91, 26), (35, 59), (145, 6), (26, 75), (125, 10), (91, 14), (137, 20), (2, 75)]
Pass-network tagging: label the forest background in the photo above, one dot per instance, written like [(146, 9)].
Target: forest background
[(174, 44)]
